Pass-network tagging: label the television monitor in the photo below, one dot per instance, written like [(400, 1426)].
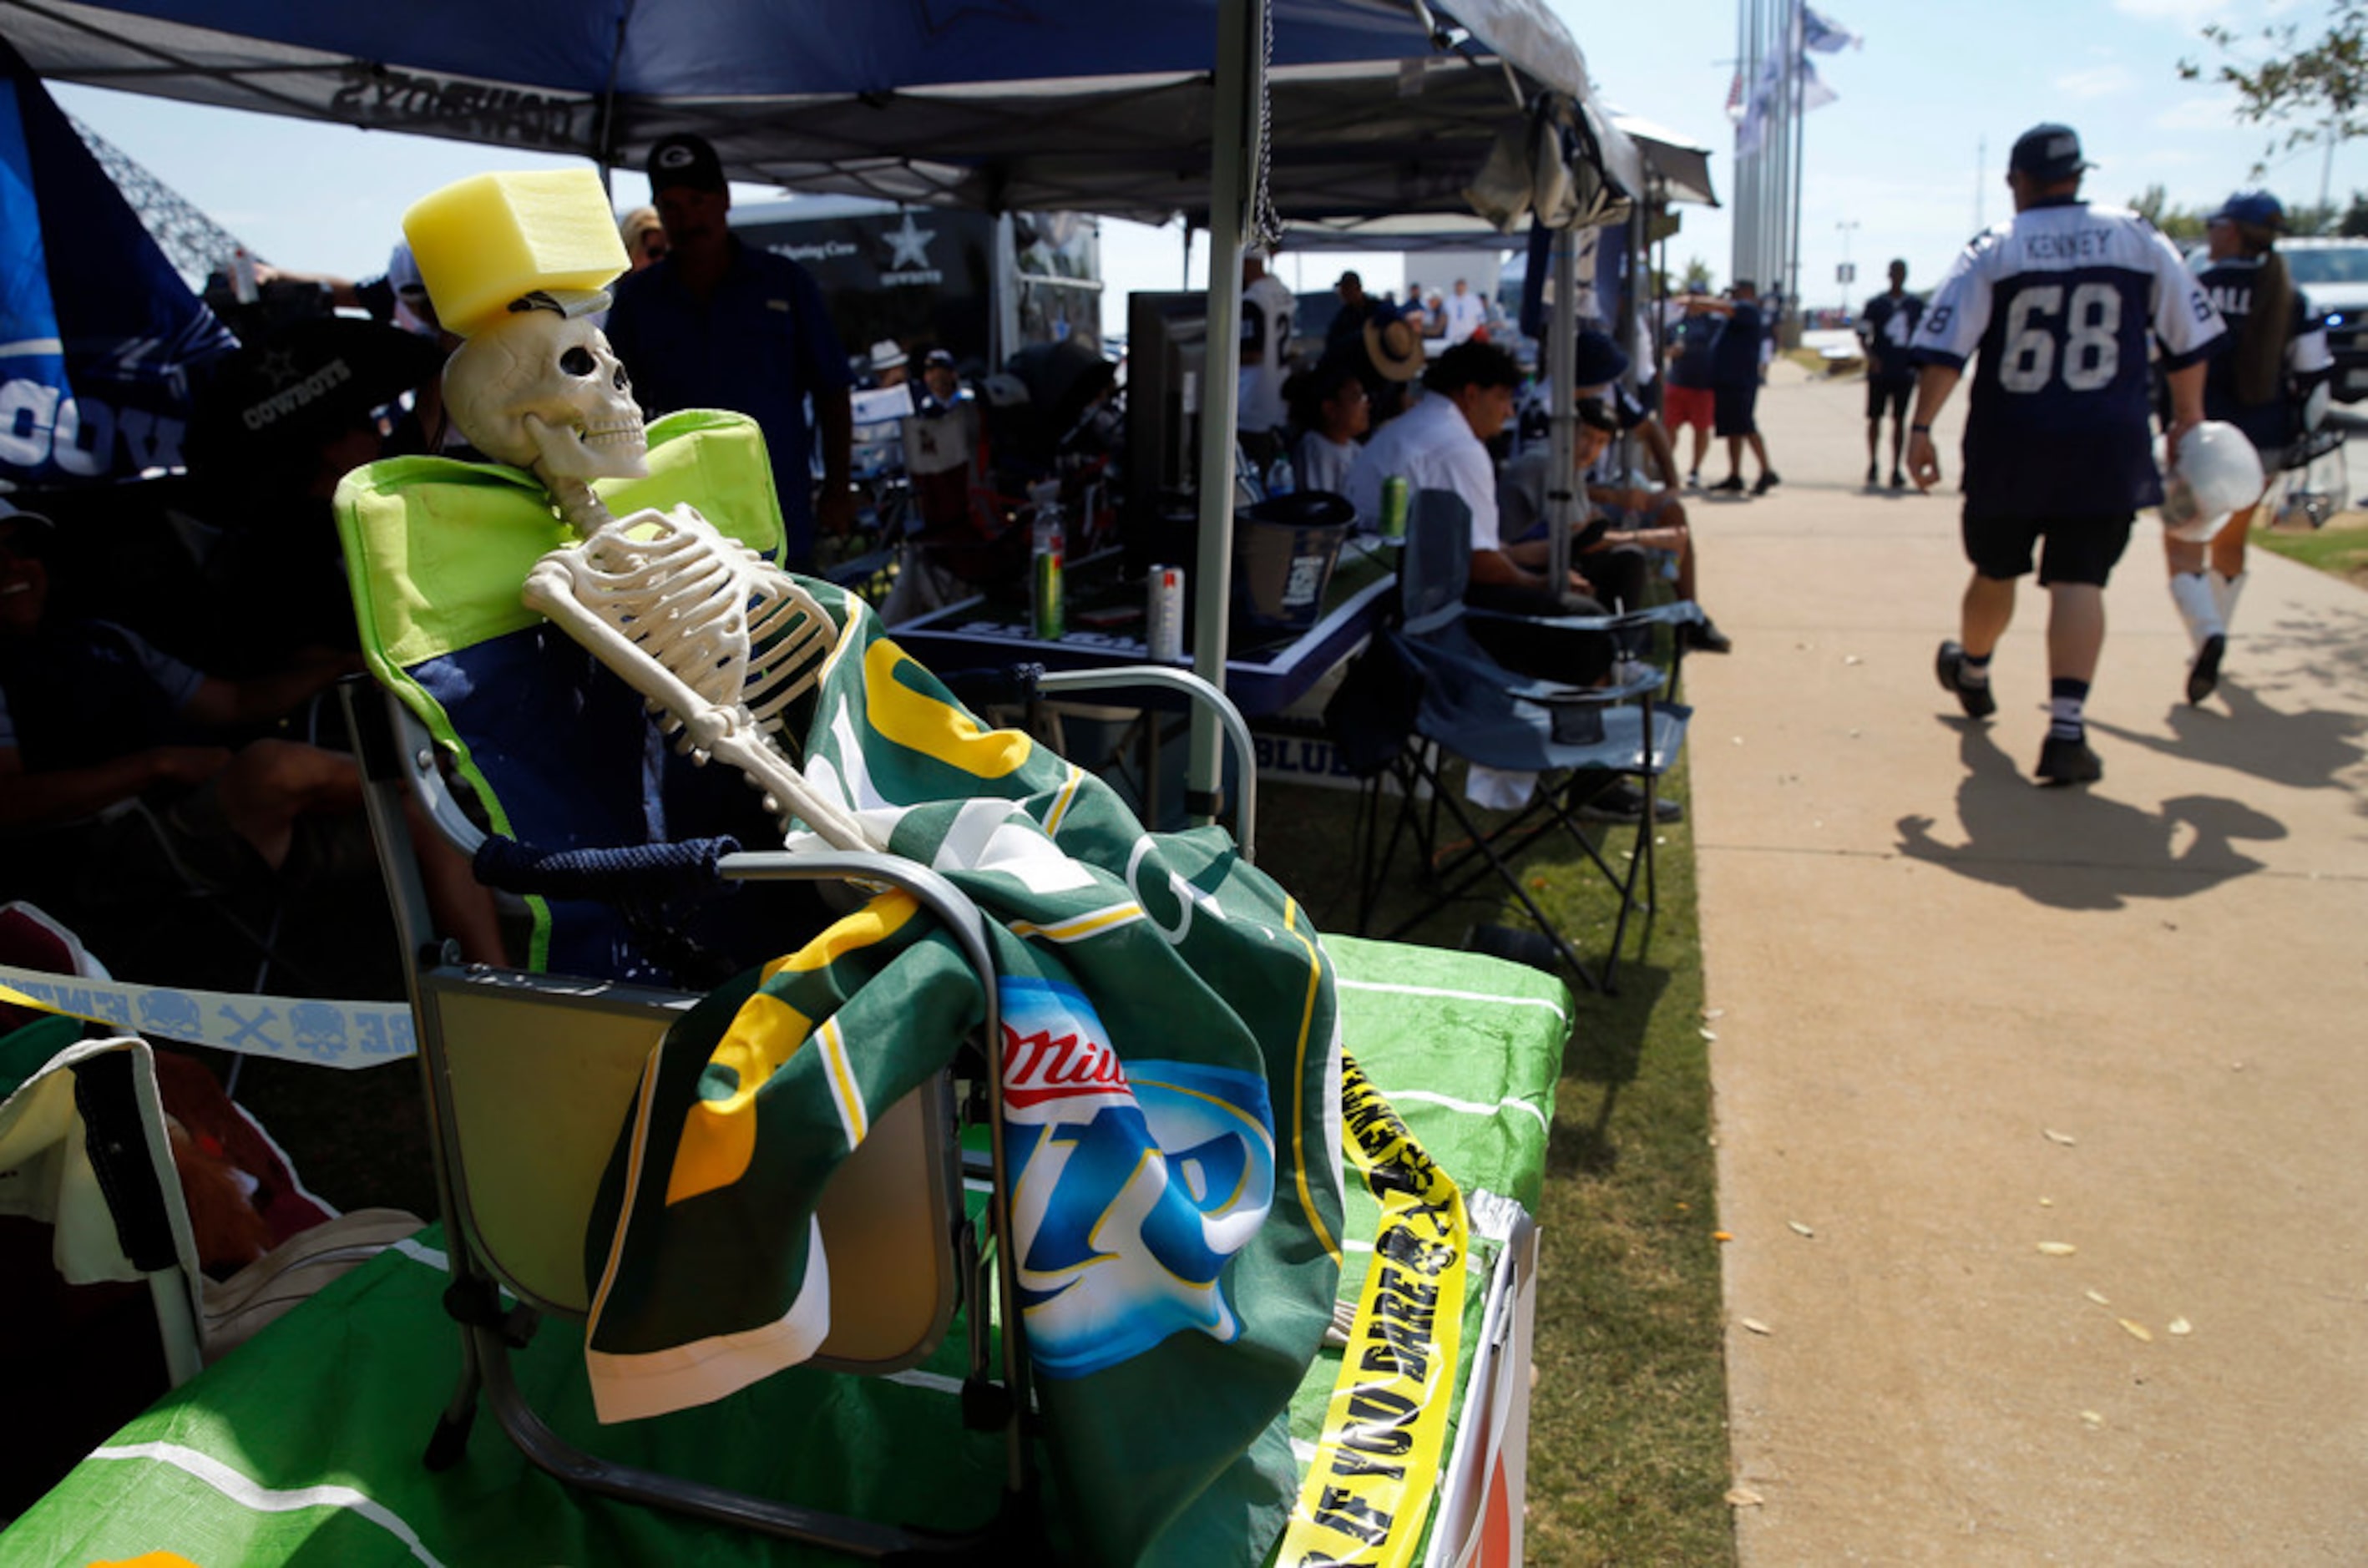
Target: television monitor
[(1167, 358)]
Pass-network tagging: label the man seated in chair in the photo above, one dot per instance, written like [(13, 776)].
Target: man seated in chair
[(92, 718), (1440, 443)]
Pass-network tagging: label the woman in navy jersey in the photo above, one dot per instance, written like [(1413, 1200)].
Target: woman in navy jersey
[(2267, 385)]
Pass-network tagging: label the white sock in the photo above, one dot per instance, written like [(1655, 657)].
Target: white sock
[(2224, 595), (2198, 606)]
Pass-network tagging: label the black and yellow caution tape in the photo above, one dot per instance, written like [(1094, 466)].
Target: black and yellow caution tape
[(1368, 1492)]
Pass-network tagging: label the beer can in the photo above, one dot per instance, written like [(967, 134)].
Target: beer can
[(1046, 620), (1394, 507), (1163, 619)]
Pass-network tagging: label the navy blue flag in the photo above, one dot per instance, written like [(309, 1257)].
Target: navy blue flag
[(1824, 36), (98, 334)]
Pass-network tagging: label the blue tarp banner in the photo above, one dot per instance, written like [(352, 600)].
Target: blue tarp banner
[(98, 334)]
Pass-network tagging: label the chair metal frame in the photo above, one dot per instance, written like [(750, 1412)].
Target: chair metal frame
[(398, 755), (1638, 732)]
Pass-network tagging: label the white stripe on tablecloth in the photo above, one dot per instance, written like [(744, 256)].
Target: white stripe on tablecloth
[(250, 1494)]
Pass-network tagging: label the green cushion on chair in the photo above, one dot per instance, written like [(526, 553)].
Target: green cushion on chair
[(437, 550)]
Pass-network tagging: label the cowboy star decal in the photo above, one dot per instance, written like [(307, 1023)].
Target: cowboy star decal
[(911, 245)]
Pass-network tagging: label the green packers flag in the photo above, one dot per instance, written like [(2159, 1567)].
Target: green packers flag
[(1172, 1067)]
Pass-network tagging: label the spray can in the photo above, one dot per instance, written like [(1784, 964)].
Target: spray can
[(1163, 619), (1394, 507), (1046, 620)]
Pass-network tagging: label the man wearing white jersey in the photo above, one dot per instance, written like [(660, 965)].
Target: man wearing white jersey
[(2060, 302)]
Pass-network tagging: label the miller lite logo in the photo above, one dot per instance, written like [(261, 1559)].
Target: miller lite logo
[(1133, 1183)]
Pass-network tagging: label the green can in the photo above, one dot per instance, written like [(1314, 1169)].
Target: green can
[(1394, 507), (1046, 618)]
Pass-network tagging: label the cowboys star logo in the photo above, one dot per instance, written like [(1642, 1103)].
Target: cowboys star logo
[(910, 244)]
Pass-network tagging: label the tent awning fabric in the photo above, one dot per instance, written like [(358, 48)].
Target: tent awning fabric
[(1002, 105), (1677, 168)]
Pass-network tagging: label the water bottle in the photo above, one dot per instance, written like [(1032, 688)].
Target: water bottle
[(1279, 479)]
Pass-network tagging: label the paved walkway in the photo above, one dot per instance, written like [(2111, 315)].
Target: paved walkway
[(2039, 1113)]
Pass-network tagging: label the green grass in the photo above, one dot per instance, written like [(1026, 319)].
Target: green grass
[(1628, 1453), (2339, 550)]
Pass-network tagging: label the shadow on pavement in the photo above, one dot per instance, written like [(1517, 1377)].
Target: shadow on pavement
[(2304, 750), (2078, 849)]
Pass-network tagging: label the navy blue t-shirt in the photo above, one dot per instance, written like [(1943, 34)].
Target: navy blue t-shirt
[(1734, 360), (1888, 326), (1697, 335)]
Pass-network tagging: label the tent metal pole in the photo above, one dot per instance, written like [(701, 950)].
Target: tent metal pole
[(1232, 156), (1561, 360)]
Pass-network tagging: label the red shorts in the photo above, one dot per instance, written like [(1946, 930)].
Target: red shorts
[(1681, 406)]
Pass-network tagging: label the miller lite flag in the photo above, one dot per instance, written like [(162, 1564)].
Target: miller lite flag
[(1172, 1127), (99, 335)]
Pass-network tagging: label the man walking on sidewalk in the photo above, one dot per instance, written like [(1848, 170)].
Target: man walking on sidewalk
[(2060, 302), (1886, 327)]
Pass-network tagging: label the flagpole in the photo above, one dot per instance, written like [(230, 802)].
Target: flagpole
[(1794, 50)]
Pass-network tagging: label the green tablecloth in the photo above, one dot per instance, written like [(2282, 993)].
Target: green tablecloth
[(304, 1446)]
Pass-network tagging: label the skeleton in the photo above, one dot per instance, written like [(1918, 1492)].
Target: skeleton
[(718, 641)]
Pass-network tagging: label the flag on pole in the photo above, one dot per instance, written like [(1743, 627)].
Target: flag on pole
[(1815, 94), (1734, 95), (1826, 37)]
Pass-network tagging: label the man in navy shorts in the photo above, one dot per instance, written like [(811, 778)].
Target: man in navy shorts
[(2062, 302)]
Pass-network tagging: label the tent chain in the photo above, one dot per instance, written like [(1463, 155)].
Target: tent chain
[(1266, 224)]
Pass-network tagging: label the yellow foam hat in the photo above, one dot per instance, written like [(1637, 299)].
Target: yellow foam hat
[(485, 241)]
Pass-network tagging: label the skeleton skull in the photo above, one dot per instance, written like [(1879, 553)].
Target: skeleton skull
[(543, 391)]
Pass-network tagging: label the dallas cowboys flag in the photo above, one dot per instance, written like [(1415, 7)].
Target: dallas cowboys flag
[(97, 333)]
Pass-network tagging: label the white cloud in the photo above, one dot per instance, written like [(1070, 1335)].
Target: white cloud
[(2098, 82), (2186, 13), (2215, 112)]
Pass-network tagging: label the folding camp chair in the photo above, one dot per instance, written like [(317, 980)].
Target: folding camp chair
[(1457, 700), (530, 1072)]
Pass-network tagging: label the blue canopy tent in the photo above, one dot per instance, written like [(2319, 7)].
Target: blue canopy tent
[(1236, 114)]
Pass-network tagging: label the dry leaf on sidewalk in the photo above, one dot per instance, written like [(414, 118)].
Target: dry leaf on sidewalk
[(2058, 1249), (1799, 1229), (1754, 1325), (2054, 1137), (2137, 1330), (1743, 1498)]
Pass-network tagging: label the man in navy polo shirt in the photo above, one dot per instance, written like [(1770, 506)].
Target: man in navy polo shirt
[(718, 324), (2062, 302)]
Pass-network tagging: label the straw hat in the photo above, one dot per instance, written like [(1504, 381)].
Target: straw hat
[(1393, 344)]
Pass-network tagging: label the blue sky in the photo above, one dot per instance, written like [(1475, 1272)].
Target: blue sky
[(1897, 155)]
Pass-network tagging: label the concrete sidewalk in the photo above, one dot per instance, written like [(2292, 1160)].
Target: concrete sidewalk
[(2039, 1112)]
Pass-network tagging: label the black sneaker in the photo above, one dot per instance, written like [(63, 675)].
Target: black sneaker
[(1704, 637), (1694, 480), (1621, 801), (1765, 482), (1899, 480), (2204, 674), (1731, 486), (1871, 481), (1950, 665), (2063, 760)]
